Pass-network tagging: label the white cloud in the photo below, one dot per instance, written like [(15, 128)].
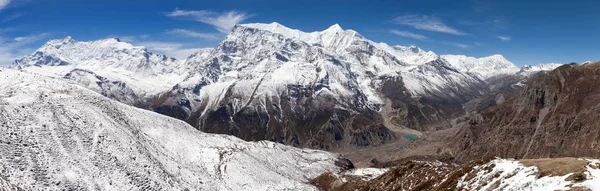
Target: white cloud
[(223, 22), (194, 34), (504, 38), (408, 34), (428, 23), (15, 48), (4, 3), (459, 45)]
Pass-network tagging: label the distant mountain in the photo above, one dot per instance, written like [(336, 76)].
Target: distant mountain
[(503, 86), (485, 68), (127, 73), (528, 69), (58, 136)]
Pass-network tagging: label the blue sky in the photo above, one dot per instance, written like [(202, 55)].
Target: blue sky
[(525, 32)]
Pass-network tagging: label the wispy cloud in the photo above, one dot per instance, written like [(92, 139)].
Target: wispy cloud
[(11, 17), (14, 48), (459, 45), (504, 38), (428, 23), (194, 34), (4, 4), (223, 22), (30, 38), (491, 24), (409, 34)]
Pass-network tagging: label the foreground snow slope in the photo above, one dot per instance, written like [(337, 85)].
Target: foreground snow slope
[(55, 135)]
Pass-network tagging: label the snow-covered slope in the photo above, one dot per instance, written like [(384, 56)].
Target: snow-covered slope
[(508, 174), (485, 67), (138, 72), (57, 136)]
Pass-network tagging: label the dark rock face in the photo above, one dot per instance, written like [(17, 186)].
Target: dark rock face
[(432, 112), (406, 174), (501, 88), (554, 116), (302, 118), (344, 164), (297, 120), (172, 111)]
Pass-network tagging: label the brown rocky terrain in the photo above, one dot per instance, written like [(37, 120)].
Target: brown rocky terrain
[(432, 112), (555, 115), (305, 121), (487, 173)]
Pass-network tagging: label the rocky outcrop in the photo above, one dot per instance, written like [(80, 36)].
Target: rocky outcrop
[(488, 173), (555, 115), (433, 111)]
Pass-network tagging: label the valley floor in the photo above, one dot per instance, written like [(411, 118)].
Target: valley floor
[(429, 143)]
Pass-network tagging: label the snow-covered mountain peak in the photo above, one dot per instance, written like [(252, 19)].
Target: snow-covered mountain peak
[(106, 59), (334, 38), (496, 56), (529, 69), (334, 28), (412, 48), (277, 28), (68, 43), (485, 67), (65, 40), (412, 55), (104, 51)]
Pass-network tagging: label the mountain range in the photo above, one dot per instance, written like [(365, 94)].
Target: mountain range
[(326, 89), (246, 114)]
